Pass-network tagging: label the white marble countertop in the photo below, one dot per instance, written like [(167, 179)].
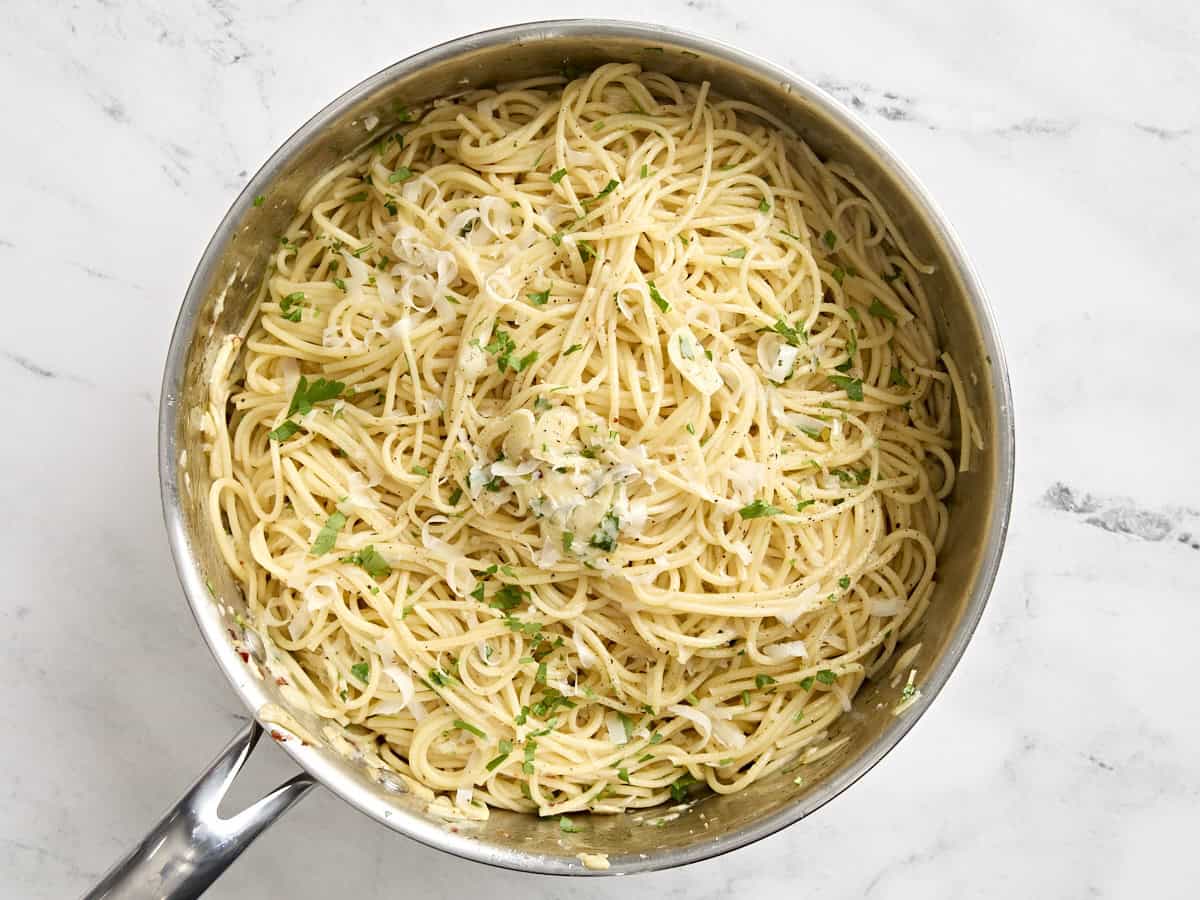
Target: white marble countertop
[(1062, 141)]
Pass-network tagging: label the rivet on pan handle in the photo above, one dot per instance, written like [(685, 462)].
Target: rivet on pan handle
[(191, 845)]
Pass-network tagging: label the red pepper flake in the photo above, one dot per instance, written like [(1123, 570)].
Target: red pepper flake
[(281, 680), (244, 655), (279, 737)]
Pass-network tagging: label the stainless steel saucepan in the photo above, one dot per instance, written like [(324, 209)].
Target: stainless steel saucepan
[(192, 845)]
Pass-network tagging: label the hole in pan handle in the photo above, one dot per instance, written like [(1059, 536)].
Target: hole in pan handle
[(191, 845)]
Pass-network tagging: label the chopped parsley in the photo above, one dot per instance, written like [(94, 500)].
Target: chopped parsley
[(558, 176), (502, 347), (540, 298), (853, 476), (605, 537), (467, 726), (764, 205), (438, 678), (800, 505), (623, 774), (369, 560), (357, 198), (793, 336), (897, 377), (508, 598), (292, 306), (505, 749), (586, 251), (761, 680), (401, 174), (659, 300), (455, 496), (739, 253), (572, 349), (567, 826), (758, 509), (468, 227), (328, 534), (679, 789), (852, 386), (259, 200), (691, 429), (645, 171), (540, 677), (420, 470), (880, 311), (530, 749), (826, 676), (844, 582), (525, 361), (568, 538), (307, 394), (284, 431), (612, 185), (627, 725), (361, 671), (829, 239)]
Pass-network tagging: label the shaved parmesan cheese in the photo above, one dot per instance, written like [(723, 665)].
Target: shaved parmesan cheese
[(321, 592), (616, 728), (358, 495), (587, 659), (891, 606), (747, 476), (811, 426), (689, 359), (301, 620), (788, 650), (509, 470), (403, 682), (477, 477), (702, 722), (547, 556), (776, 358)]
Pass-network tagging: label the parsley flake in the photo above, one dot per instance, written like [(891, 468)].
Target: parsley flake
[(852, 386), (467, 726), (880, 311), (306, 395), (758, 509), (659, 300), (369, 560), (328, 534)]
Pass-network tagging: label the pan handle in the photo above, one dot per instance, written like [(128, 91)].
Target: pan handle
[(191, 845)]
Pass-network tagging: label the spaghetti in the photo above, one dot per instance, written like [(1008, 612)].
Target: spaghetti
[(589, 440)]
